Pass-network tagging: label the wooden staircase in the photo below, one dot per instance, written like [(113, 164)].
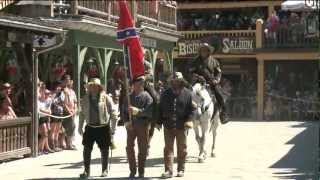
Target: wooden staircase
[(5, 3)]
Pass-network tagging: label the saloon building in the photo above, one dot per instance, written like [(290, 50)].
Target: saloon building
[(271, 76)]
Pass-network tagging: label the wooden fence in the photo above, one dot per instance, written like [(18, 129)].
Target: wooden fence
[(15, 138)]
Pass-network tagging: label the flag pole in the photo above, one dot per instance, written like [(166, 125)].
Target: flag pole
[(126, 83)]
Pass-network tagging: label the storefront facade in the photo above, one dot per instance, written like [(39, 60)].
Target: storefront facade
[(255, 67)]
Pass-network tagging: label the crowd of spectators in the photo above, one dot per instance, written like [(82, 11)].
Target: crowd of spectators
[(242, 19)]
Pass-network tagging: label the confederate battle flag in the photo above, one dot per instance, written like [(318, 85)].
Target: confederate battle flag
[(127, 35)]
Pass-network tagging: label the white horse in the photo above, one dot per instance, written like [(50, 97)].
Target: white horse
[(203, 121)]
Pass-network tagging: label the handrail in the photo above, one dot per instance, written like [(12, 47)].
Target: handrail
[(17, 121), (139, 16)]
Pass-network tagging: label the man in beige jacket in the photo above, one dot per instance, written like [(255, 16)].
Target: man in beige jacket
[(97, 111)]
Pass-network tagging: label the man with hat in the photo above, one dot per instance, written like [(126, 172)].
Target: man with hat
[(207, 67), (140, 110), (176, 112), (96, 108)]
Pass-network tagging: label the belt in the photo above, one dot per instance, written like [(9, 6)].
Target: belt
[(97, 126)]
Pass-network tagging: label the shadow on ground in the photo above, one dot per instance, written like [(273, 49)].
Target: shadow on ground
[(300, 163), (151, 162), (92, 178)]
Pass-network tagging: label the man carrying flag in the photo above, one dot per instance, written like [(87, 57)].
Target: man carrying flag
[(139, 111)]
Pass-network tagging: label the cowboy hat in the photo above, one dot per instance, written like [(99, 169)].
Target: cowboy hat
[(207, 46), (6, 86), (178, 76), (95, 81), (139, 79)]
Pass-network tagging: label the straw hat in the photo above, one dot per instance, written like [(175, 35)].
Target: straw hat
[(95, 81)]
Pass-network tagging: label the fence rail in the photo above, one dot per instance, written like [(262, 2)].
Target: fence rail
[(15, 138)]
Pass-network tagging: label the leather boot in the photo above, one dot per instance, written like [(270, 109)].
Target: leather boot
[(86, 162), (104, 162)]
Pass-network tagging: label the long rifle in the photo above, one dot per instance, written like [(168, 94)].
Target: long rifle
[(126, 83)]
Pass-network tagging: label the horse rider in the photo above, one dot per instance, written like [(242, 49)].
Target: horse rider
[(139, 126), (208, 68), (176, 112), (99, 115)]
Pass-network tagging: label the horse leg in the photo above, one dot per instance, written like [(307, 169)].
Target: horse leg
[(204, 130), (197, 136), (214, 133)]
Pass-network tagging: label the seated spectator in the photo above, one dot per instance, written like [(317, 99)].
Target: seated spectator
[(6, 111)]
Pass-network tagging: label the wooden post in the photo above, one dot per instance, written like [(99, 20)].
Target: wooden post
[(35, 122), (77, 73), (259, 33), (270, 10), (74, 7), (260, 90)]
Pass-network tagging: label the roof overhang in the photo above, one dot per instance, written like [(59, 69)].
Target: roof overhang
[(85, 24), (30, 26)]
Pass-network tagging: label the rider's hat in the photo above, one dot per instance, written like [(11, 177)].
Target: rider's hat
[(207, 46)]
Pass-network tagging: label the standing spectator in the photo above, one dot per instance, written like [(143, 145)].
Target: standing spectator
[(6, 111), (176, 110), (6, 90), (44, 125), (96, 108), (273, 25), (57, 110), (141, 113), (70, 108)]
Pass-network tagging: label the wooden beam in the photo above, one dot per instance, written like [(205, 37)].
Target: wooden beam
[(260, 90), (226, 5), (274, 56)]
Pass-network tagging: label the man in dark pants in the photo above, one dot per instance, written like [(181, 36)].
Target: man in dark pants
[(205, 66), (98, 113), (138, 128), (176, 110)]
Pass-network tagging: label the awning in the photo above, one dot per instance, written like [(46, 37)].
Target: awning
[(298, 5), (34, 24), (34, 2)]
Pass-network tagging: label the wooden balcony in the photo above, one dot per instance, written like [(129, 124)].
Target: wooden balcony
[(228, 33), (5, 3), (290, 38), (157, 13)]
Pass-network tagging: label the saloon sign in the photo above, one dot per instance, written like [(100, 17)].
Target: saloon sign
[(237, 45), (188, 48)]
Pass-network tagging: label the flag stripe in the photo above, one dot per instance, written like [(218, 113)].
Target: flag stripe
[(126, 34)]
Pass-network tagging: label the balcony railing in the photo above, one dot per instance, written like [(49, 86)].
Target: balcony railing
[(15, 138), (288, 38), (154, 12), (230, 33), (5, 3)]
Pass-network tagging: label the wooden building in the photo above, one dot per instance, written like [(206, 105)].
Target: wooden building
[(259, 69), (90, 45)]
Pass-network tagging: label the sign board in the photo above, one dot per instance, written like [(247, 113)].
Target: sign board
[(222, 45), (148, 42), (42, 41), (236, 45), (188, 47)]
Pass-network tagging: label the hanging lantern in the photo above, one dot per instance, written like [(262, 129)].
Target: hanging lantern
[(11, 67)]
